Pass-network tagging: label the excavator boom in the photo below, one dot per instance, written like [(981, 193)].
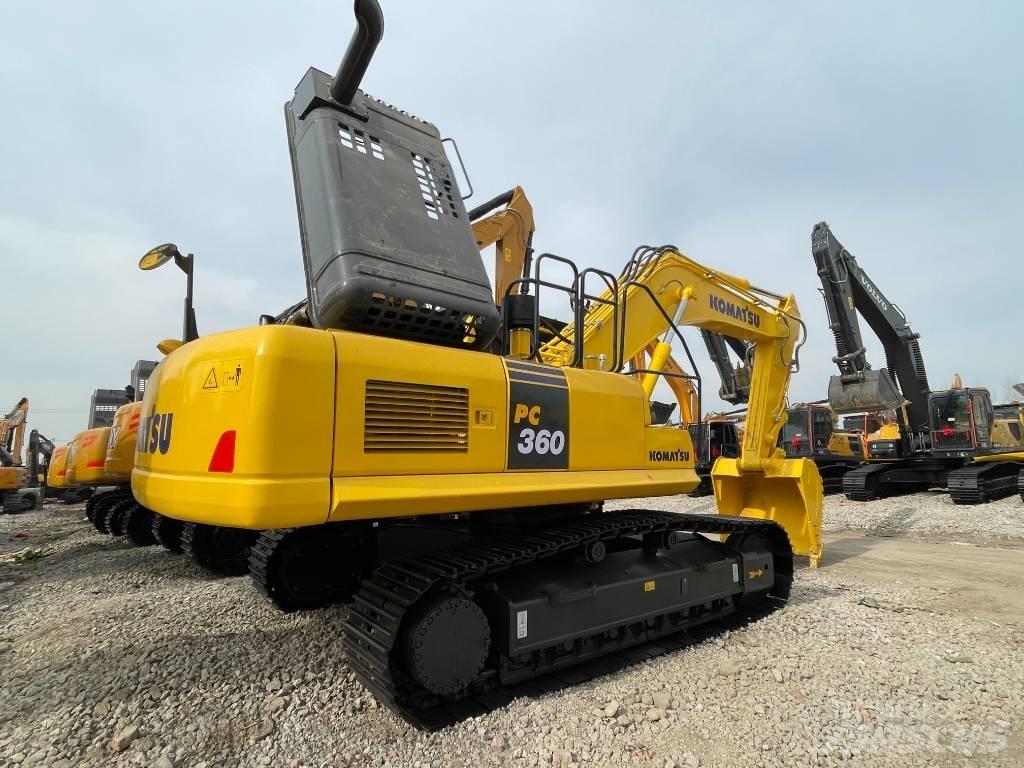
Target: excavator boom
[(847, 291), (669, 290)]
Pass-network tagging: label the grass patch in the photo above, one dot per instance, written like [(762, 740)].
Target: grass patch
[(29, 555)]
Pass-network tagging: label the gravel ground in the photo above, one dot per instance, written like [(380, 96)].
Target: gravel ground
[(927, 514), (113, 655)]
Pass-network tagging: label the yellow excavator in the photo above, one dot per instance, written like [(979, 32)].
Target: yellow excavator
[(812, 430), (56, 472), (17, 491), (440, 462)]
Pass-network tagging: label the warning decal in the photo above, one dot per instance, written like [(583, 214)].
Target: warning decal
[(223, 376)]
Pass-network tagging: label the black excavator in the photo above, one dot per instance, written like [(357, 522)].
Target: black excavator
[(941, 439)]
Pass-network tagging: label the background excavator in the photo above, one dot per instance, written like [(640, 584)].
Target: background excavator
[(940, 439), (812, 430), (453, 462), (20, 487)]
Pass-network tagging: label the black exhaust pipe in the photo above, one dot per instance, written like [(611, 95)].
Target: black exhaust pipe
[(368, 34)]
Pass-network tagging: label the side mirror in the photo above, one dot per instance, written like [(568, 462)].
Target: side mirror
[(157, 257)]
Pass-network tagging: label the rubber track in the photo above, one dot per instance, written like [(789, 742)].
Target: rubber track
[(983, 482), (1020, 484), (375, 617)]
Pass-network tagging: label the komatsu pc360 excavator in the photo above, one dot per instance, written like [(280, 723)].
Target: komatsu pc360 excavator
[(387, 452)]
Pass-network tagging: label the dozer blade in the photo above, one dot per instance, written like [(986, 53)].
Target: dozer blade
[(870, 391), (788, 492)]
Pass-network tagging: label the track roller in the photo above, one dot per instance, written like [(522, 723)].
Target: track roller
[(307, 568), (218, 548), (167, 532)]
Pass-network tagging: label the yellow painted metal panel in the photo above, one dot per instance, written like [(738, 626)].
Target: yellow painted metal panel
[(87, 457), (120, 455), (279, 404), (363, 358), (56, 473), (397, 495), (607, 416)]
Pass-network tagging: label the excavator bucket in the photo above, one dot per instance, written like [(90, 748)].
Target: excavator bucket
[(870, 391), (788, 492)]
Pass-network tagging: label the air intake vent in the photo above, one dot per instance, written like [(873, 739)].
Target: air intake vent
[(402, 417)]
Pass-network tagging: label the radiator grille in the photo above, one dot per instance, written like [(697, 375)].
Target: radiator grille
[(402, 417)]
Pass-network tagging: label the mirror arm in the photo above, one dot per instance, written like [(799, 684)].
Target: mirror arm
[(189, 330)]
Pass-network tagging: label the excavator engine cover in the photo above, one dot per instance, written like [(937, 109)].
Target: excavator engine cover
[(387, 245), (870, 391)]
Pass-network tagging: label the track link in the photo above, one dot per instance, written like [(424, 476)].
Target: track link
[(138, 526), (984, 482), (102, 503), (220, 549), (373, 627), (117, 514), (167, 532), (308, 568), (1020, 484)]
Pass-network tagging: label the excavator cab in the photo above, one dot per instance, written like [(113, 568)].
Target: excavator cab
[(960, 421)]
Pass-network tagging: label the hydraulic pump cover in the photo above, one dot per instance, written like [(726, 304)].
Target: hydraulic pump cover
[(387, 244)]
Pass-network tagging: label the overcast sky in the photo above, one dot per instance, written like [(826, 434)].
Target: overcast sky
[(726, 129)]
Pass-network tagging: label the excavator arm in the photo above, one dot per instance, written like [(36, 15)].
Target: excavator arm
[(40, 450), (667, 290), (849, 292), (12, 434), (510, 230), (735, 387)]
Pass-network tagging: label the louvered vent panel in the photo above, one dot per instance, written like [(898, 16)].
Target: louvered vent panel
[(403, 417)]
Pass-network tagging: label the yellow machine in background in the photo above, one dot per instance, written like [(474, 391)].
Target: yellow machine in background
[(56, 474), (812, 430), (17, 491), (443, 462)]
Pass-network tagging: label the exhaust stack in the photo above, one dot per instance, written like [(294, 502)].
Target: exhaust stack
[(368, 34)]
